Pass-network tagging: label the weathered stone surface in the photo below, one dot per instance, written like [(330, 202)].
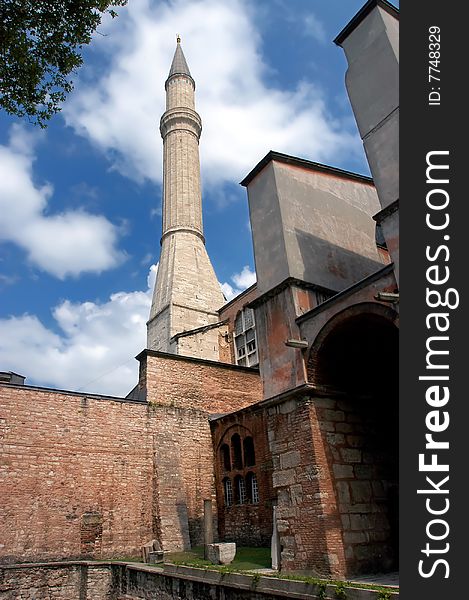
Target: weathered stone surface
[(290, 459), (283, 478), (343, 471), (351, 455), (361, 491), (222, 553)]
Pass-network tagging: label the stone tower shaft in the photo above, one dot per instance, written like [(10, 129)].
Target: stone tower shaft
[(187, 294)]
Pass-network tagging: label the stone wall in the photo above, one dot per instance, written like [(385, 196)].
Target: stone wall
[(61, 581), (307, 519), (121, 581), (336, 483), (361, 439)]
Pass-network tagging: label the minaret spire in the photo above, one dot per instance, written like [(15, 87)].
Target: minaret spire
[(187, 294)]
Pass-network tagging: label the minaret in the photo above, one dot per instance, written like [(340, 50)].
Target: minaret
[(187, 293)]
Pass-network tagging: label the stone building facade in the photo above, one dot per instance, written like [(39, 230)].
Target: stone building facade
[(284, 397)]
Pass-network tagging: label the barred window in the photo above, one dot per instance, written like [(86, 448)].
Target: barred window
[(241, 490), (228, 489), (252, 488), (245, 339)]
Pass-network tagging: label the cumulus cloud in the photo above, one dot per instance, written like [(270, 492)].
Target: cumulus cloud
[(62, 244), (242, 280), (243, 116), (94, 349)]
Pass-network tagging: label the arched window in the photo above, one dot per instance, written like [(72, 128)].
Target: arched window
[(240, 485), (236, 451), (249, 454), (245, 339), (228, 490), (252, 490), (225, 457)]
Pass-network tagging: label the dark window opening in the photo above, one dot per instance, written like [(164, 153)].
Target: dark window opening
[(236, 451), (240, 487), (225, 457), (249, 455)]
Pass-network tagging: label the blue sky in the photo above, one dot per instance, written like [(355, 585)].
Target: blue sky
[(81, 201)]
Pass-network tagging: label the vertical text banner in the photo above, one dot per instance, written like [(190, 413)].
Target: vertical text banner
[(434, 202)]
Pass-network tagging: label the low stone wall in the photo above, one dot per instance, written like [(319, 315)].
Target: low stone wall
[(123, 581), (57, 580)]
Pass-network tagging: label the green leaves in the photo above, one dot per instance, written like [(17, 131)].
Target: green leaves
[(40, 48)]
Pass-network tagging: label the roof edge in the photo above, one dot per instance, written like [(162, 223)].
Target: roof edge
[(205, 361), (361, 14), (306, 164)]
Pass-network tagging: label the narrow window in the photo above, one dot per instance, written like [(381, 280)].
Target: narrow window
[(254, 489), (236, 451), (249, 455), (225, 457), (241, 497), (228, 489)]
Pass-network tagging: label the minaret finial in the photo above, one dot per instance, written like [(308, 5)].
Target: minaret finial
[(178, 38)]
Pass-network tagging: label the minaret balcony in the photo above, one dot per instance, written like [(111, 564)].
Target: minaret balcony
[(181, 119)]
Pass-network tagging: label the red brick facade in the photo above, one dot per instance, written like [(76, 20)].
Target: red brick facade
[(89, 476), (246, 521)]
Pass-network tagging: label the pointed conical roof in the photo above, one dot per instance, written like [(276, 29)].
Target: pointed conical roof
[(179, 64)]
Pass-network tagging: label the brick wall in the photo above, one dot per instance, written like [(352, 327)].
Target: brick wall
[(307, 519), (248, 524), (76, 475), (88, 476), (212, 387)]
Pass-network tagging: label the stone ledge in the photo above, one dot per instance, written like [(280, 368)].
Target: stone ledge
[(287, 588), (277, 587)]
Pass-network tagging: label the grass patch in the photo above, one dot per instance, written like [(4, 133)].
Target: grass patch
[(246, 559)]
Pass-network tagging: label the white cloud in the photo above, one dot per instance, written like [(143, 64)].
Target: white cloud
[(245, 278), (94, 350), (62, 244), (242, 280), (118, 109), (229, 291)]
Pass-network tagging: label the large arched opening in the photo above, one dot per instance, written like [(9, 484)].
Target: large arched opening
[(354, 364)]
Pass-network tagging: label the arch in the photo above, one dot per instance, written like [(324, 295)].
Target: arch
[(236, 451), (249, 453), (225, 458), (356, 351), (230, 430)]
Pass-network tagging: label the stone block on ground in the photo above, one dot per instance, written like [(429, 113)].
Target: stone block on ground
[(221, 554)]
